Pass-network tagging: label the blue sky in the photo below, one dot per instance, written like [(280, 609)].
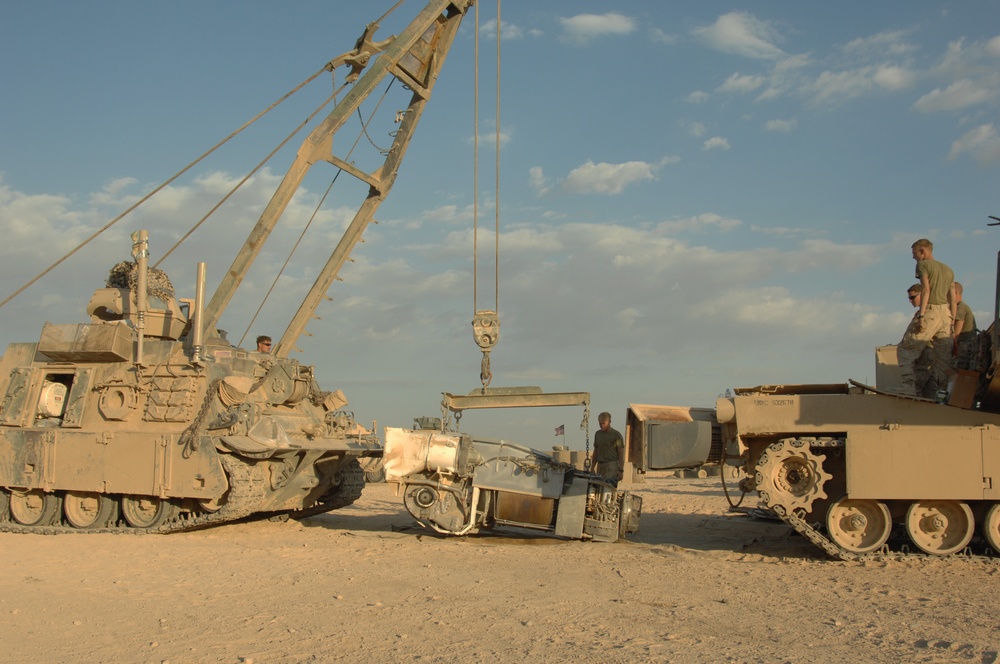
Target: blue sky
[(693, 195)]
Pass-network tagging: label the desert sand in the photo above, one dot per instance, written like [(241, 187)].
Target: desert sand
[(696, 584)]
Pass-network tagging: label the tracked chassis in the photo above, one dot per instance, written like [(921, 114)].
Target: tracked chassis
[(849, 468)]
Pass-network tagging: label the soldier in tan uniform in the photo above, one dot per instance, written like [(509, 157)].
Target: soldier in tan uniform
[(926, 387), (609, 451), (964, 332), (933, 323)]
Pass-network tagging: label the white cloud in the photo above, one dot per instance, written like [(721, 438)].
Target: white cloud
[(785, 76), (488, 139), (708, 221), (697, 97), (781, 125), (605, 178), (696, 129), (812, 252), (600, 178), (739, 83), (783, 231), (893, 78), (740, 33), (661, 37), (584, 27), (541, 240), (981, 143), (36, 227), (507, 30), (538, 181), (960, 94), (448, 214), (973, 60), (832, 87), (889, 42), (716, 143)]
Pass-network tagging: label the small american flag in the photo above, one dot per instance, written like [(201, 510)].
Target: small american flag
[(561, 430)]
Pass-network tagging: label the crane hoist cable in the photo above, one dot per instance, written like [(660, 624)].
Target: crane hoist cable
[(486, 322), (160, 187)]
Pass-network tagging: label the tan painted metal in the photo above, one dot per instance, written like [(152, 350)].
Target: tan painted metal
[(512, 397)]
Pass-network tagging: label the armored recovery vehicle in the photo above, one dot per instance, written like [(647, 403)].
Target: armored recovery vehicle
[(858, 470), (146, 418)]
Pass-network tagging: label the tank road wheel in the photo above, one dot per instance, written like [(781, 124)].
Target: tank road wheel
[(34, 507), (211, 505), (88, 510), (147, 511), (940, 527), (375, 472), (991, 526), (790, 475), (860, 526)]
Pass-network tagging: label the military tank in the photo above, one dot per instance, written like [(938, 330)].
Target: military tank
[(851, 467), (146, 418), (134, 421), (858, 470)]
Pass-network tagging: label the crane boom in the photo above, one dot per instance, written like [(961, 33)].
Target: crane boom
[(415, 58)]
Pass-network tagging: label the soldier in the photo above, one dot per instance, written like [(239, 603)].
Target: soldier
[(965, 332), (609, 451), (263, 344), (925, 385), (933, 322)]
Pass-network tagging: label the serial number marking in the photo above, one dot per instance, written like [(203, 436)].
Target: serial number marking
[(774, 402)]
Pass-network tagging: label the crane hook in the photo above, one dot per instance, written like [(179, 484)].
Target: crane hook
[(486, 332)]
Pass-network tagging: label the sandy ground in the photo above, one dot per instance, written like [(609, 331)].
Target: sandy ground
[(694, 585)]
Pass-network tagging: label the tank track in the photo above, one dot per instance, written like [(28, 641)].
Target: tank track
[(246, 492), (352, 483), (788, 511), (835, 551)]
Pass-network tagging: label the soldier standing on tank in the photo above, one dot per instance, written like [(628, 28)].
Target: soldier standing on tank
[(609, 451), (926, 387), (933, 324), (964, 332)]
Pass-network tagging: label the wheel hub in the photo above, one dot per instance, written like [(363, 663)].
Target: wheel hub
[(859, 526)]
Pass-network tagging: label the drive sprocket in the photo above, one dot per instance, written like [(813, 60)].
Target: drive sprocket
[(790, 476)]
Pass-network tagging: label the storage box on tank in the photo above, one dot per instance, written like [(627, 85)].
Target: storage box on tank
[(87, 343)]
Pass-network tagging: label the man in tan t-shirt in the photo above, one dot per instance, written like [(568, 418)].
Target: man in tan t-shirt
[(933, 321)]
